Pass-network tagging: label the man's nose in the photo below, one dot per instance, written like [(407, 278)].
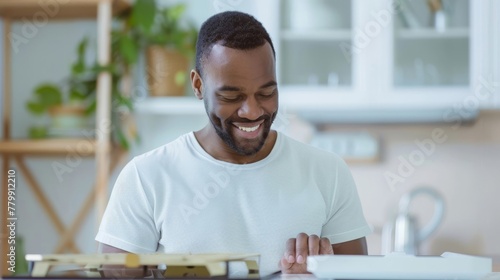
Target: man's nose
[(250, 109)]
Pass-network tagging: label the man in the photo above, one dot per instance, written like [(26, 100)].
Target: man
[(236, 185)]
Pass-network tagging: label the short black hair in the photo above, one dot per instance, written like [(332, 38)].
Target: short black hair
[(230, 29)]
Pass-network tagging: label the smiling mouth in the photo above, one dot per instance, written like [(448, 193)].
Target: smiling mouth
[(248, 129)]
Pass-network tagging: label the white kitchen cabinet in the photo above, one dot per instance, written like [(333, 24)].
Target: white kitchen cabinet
[(309, 30), (434, 51), (385, 55), (358, 62)]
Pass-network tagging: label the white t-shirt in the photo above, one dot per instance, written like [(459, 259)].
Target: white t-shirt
[(179, 199)]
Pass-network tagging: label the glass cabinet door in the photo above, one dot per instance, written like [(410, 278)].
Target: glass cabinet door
[(312, 33), (432, 43)]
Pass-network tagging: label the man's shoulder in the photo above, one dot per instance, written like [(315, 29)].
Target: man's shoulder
[(307, 151), (166, 151)]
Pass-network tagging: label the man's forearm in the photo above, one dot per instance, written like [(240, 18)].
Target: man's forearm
[(353, 247)]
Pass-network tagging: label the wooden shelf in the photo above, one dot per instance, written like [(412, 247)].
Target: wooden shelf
[(76, 9), (82, 146)]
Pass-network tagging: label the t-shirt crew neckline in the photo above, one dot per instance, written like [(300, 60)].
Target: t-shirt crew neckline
[(200, 151)]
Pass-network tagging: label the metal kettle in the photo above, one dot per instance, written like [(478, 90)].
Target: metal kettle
[(402, 234)]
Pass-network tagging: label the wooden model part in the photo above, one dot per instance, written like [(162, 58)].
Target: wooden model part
[(178, 265)]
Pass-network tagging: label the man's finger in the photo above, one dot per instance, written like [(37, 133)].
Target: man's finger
[(301, 247), (290, 250), (313, 243), (285, 265), (292, 268), (325, 247)]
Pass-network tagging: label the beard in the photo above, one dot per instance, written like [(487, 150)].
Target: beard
[(246, 147)]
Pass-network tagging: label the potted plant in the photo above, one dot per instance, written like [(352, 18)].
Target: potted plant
[(165, 38), (169, 43), (48, 98), (68, 104)]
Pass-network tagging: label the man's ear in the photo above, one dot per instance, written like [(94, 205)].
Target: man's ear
[(197, 84)]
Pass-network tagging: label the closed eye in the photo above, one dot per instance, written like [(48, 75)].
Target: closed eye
[(234, 98), (268, 95)]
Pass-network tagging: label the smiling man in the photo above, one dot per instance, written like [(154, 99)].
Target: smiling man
[(241, 99), (236, 185)]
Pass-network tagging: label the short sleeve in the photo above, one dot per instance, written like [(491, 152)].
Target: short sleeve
[(128, 222), (345, 220)]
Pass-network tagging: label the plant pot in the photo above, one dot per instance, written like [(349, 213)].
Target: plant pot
[(166, 71), (68, 117), (39, 126)]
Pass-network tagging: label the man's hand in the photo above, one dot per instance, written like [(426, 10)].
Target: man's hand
[(297, 250)]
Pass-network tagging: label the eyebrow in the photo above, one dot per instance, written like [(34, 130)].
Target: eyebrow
[(233, 88)]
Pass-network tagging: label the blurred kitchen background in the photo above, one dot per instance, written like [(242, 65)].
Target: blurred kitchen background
[(408, 92)]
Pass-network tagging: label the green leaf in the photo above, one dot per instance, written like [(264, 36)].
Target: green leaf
[(128, 49), (82, 47), (160, 39), (37, 132), (127, 102), (48, 95), (102, 68), (35, 108), (122, 140), (174, 13), (91, 108), (89, 85), (143, 14), (76, 95), (180, 78), (121, 100), (79, 66)]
